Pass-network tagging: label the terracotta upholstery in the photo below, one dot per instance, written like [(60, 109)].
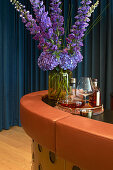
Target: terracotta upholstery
[(38, 119), (87, 143)]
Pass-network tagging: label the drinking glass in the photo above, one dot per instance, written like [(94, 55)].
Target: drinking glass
[(85, 87)]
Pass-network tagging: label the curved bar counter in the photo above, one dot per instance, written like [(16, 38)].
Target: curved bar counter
[(80, 141)]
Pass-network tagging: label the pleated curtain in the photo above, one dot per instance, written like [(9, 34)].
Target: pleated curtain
[(19, 72)]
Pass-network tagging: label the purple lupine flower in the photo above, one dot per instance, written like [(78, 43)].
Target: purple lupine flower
[(29, 21), (28, 24), (74, 40), (69, 40), (47, 30), (38, 8), (54, 47), (88, 2), (50, 32), (47, 61), (24, 20), (57, 19), (29, 17), (41, 16), (65, 51), (44, 21)]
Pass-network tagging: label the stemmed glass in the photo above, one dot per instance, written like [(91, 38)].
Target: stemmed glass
[(85, 87)]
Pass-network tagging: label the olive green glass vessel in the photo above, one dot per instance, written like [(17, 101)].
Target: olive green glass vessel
[(59, 81)]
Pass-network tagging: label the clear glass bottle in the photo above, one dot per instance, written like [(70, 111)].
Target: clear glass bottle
[(95, 98), (76, 101), (68, 101), (72, 101), (73, 88)]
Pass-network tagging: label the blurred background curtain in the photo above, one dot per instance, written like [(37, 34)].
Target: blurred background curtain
[(19, 73)]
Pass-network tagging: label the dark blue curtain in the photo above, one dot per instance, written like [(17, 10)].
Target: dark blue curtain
[(19, 73)]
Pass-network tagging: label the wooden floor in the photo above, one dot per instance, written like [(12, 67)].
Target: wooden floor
[(15, 149)]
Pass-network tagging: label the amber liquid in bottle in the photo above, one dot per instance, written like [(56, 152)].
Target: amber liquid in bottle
[(73, 104), (72, 101), (95, 98)]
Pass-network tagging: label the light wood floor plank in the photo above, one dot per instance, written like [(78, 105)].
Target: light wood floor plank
[(15, 149)]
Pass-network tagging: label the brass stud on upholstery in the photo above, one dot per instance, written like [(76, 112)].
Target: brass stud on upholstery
[(39, 167), (39, 148), (75, 168), (52, 157), (33, 156)]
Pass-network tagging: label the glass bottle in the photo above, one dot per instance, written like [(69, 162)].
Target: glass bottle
[(72, 101), (95, 98), (72, 88), (76, 101)]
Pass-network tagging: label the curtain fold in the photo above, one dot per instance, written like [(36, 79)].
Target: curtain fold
[(19, 72)]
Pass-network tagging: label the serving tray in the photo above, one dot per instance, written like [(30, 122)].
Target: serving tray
[(76, 111)]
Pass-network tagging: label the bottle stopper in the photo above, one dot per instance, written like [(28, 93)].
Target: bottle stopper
[(73, 80)]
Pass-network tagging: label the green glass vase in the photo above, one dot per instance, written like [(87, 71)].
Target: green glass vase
[(59, 81)]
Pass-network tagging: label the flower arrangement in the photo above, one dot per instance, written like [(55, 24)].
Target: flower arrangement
[(48, 30)]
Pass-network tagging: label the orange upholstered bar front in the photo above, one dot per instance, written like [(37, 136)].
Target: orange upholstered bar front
[(87, 143), (39, 119)]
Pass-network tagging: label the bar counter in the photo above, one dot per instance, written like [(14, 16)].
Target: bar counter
[(75, 142)]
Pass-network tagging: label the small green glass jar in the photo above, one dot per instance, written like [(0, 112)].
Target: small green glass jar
[(59, 81)]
